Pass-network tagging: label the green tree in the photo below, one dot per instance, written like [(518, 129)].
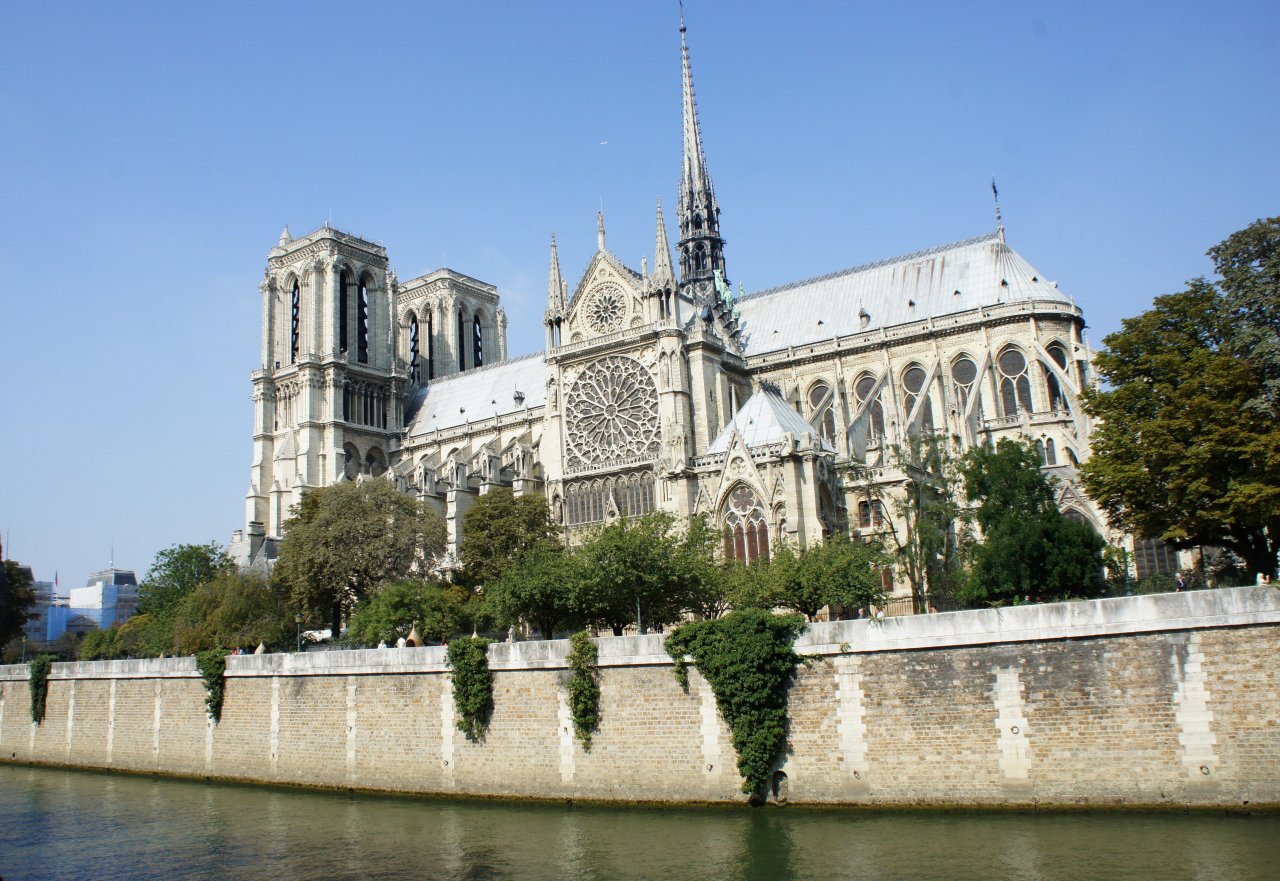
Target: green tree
[(1248, 266), (176, 571), (100, 645), (1029, 548), (499, 528), (1184, 448), (540, 587), (16, 597), (438, 610), (833, 572), (346, 539), (640, 564), (929, 533), (234, 609)]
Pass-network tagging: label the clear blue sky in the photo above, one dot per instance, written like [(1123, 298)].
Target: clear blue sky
[(152, 152)]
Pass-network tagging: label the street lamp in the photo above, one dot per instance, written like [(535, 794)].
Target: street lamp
[(297, 622), (24, 647)]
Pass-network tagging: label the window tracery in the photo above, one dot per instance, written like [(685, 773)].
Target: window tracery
[(913, 381), (612, 413), (295, 321), (1057, 400), (606, 309), (591, 501), (746, 530), (964, 375), (414, 370), (1015, 387), (822, 415), (862, 390)]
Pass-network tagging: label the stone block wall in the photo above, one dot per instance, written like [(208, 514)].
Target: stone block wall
[(1168, 700)]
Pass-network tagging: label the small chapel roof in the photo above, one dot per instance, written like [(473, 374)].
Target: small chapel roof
[(959, 277), (474, 395), (764, 419)]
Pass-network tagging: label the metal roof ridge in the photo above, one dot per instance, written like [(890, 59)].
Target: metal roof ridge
[(903, 258), (474, 371)]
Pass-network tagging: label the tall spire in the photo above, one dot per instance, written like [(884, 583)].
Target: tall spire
[(701, 248), (555, 284), (995, 194), (663, 273)]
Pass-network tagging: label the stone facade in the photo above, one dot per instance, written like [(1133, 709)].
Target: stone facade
[(1166, 700), (774, 413)]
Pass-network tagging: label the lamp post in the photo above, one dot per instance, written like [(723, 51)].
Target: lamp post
[(24, 648), (297, 623)]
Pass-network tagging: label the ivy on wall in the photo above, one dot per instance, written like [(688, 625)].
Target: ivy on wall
[(584, 687), (472, 684), (747, 659), (212, 665), (39, 668)]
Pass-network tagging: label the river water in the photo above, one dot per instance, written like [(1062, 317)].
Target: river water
[(57, 825)]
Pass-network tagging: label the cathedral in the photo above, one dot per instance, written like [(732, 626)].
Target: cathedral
[(774, 413)]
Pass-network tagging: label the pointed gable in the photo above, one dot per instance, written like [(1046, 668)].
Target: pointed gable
[(765, 419)]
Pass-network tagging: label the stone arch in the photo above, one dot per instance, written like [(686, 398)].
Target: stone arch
[(350, 461), (744, 524), (1013, 372), (375, 462)]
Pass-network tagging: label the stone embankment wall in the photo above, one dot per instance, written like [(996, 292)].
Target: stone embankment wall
[(1157, 700)]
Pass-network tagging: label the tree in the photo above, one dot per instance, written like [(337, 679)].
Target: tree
[(540, 587), (929, 532), (1029, 548), (834, 572), (499, 527), (234, 609), (1187, 447), (100, 645), (346, 539), (641, 565), (438, 611), (16, 597), (1248, 265), (176, 571)]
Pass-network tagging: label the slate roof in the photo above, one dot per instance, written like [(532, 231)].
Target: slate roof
[(959, 277), (479, 394), (764, 419)]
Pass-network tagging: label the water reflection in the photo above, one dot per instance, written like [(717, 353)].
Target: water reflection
[(73, 825)]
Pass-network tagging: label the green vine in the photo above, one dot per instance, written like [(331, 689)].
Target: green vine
[(212, 665), (747, 660), (472, 684), (40, 666), (584, 687)]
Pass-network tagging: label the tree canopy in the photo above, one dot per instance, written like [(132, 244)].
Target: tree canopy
[(834, 572), (438, 610), (1187, 445), (16, 597), (1029, 548), (234, 609), (346, 539), (499, 527), (541, 587), (176, 571)]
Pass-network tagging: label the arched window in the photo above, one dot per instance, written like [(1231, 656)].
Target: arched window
[(862, 390), (746, 533), (1041, 453), (413, 348), (1015, 387), (964, 375), (477, 343), (1050, 453), (344, 305), (375, 462), (295, 321), (822, 412), (1057, 401), (1071, 457), (913, 384), (699, 257), (870, 514), (462, 341), (362, 323), (350, 461), (431, 346)]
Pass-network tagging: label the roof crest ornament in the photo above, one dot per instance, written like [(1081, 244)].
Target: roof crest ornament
[(995, 194)]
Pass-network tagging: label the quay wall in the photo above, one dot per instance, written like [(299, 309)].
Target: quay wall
[(1164, 700)]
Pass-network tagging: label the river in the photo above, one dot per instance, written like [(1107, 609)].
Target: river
[(58, 825)]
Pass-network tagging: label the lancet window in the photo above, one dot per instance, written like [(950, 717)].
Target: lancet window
[(362, 323), (746, 530), (462, 341), (1057, 400), (431, 346), (626, 495), (870, 514), (344, 305), (414, 367), (1015, 387), (964, 375), (822, 413), (862, 390), (477, 343), (913, 382), (295, 321)]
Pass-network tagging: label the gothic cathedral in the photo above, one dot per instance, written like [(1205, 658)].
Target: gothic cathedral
[(773, 413)]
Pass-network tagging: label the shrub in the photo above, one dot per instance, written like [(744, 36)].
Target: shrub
[(39, 668), (472, 684), (747, 659), (584, 687), (212, 665)]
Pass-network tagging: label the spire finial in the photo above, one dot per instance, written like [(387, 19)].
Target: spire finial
[(995, 194), (663, 273), (600, 229), (555, 283)]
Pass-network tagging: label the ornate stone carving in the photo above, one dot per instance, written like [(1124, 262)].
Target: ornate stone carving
[(606, 309), (612, 411)]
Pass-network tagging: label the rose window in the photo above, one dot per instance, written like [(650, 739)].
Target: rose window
[(605, 309), (612, 413)]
